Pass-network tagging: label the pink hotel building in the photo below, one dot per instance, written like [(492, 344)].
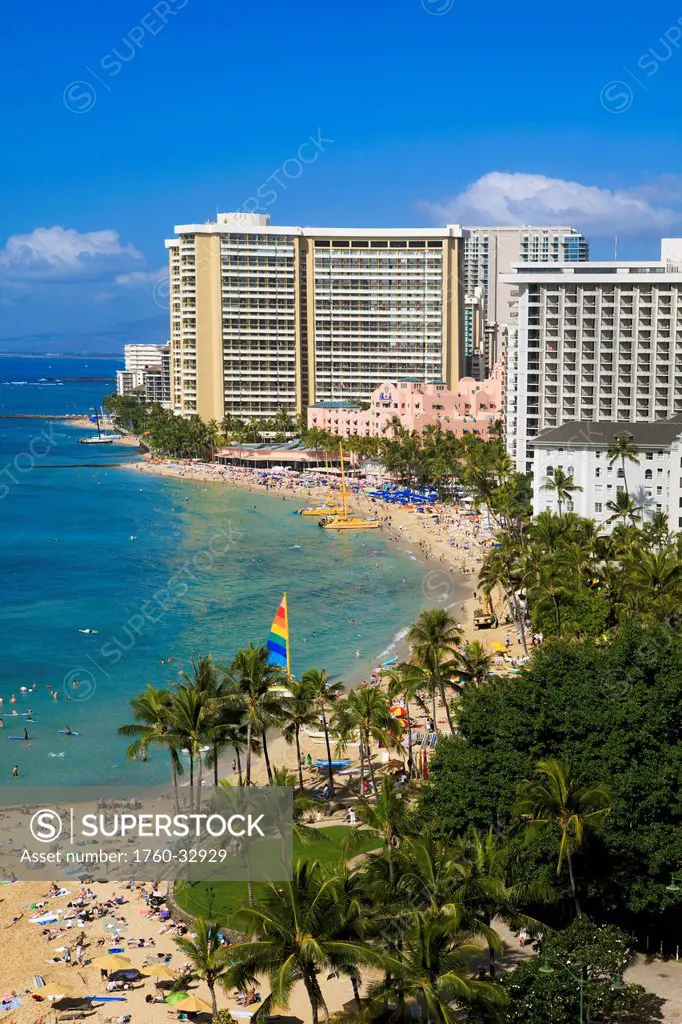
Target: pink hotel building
[(469, 410)]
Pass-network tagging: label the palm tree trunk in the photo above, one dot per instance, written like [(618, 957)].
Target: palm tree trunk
[(517, 613), (298, 757), (330, 773), (557, 614), (214, 1002), (410, 765), (239, 765), (362, 768), (267, 756), (215, 764), (433, 709), (200, 777), (370, 765), (447, 709), (573, 888), (314, 995), (356, 990), (491, 960), (248, 754), (174, 777)]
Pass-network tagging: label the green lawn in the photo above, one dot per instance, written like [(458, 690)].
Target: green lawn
[(219, 900)]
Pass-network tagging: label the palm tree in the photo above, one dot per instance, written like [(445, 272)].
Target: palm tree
[(562, 484), (502, 568), (366, 712), (656, 581), (325, 695), (250, 677), (475, 663), (387, 818), (623, 448), (189, 721), (430, 968), (205, 679), (295, 931), (301, 806), (207, 957), (152, 726), (546, 589), (658, 530), (480, 868), (406, 680), (299, 710), (435, 638), (624, 507), (553, 799)]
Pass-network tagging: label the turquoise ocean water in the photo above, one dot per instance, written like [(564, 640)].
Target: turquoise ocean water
[(162, 569)]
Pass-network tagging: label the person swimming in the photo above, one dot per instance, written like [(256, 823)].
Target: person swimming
[(67, 731)]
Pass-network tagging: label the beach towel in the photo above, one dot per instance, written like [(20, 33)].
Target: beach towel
[(43, 919), (10, 1004)]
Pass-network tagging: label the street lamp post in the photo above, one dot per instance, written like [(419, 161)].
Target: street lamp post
[(617, 984)]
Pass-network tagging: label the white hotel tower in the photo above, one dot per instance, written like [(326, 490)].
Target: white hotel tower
[(265, 317), (595, 341)]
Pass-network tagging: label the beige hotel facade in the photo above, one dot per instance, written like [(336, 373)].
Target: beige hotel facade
[(266, 317)]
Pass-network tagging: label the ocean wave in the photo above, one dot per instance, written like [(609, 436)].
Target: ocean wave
[(400, 635)]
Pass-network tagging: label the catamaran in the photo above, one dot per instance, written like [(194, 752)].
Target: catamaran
[(101, 438), (278, 644), (344, 521), (323, 510)]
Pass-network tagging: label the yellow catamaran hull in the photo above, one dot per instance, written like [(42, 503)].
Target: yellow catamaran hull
[(320, 511), (344, 521), (349, 523)]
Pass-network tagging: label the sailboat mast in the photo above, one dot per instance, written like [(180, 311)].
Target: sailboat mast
[(286, 607), (343, 481)]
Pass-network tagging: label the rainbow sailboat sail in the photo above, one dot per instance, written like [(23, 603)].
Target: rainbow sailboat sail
[(278, 641)]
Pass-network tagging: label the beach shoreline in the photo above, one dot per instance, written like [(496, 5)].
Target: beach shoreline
[(451, 550)]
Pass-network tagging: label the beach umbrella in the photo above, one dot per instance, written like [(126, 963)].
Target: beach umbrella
[(497, 646), (111, 962), (176, 997), (193, 1004), (161, 973), (55, 990)]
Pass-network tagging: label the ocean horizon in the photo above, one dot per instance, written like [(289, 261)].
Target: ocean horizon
[(163, 570)]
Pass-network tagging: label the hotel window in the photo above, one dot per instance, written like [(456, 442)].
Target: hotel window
[(597, 506)]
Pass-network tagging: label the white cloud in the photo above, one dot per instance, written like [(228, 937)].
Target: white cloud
[(501, 198), (142, 278), (66, 255)]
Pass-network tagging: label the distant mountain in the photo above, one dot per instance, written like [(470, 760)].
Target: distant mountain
[(152, 330)]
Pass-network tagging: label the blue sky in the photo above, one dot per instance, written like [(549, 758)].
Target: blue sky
[(123, 119)]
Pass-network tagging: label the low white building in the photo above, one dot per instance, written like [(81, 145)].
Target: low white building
[(146, 373), (580, 449), (130, 382)]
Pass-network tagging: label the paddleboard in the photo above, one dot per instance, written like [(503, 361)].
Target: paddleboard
[(65, 733), (19, 738)]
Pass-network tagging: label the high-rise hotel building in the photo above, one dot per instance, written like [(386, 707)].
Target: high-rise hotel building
[(593, 341), (265, 317)]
